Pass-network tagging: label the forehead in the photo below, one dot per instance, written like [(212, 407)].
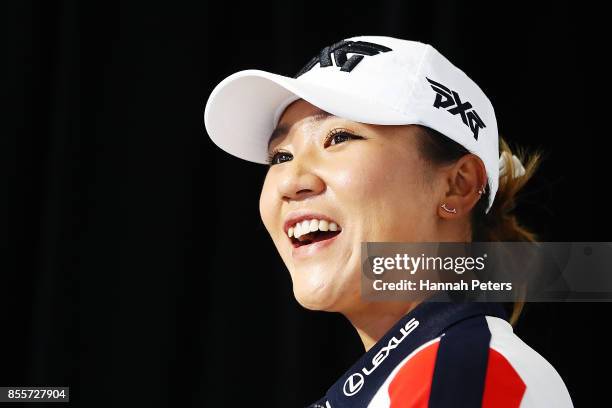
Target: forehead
[(314, 115)]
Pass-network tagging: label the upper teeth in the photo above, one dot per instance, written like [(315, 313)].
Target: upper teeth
[(306, 226)]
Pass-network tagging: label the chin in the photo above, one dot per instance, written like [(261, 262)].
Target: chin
[(311, 296), (318, 288), (327, 299)]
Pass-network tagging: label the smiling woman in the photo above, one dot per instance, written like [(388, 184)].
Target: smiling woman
[(332, 169), (379, 139)]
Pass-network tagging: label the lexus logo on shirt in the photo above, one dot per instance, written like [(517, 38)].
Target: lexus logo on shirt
[(355, 381), (353, 384)]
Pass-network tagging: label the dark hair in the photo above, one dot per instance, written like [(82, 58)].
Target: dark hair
[(500, 223)]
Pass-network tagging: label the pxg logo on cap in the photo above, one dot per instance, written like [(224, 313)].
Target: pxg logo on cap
[(456, 106), (359, 49)]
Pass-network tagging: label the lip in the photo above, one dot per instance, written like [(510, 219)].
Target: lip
[(306, 251)]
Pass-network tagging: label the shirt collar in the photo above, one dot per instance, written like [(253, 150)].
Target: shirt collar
[(427, 321)]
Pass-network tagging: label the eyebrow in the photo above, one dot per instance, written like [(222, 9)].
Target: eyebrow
[(282, 130)]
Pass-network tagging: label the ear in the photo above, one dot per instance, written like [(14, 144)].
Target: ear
[(464, 179)]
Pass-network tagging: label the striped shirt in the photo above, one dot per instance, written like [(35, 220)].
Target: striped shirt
[(448, 354)]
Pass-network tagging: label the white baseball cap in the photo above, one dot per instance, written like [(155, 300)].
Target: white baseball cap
[(370, 79)]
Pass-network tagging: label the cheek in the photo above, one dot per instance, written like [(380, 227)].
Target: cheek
[(385, 193), (384, 180)]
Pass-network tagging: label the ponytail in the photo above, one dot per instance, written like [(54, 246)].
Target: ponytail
[(500, 223)]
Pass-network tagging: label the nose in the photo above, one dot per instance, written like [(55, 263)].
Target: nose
[(299, 181)]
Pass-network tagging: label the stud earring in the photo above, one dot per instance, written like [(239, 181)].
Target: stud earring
[(453, 210), (482, 189)]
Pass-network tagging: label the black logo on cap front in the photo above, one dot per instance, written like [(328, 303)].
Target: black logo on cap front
[(340, 49), (446, 98)]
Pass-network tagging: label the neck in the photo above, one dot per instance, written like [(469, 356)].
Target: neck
[(375, 319)]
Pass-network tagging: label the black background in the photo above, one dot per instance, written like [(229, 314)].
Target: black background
[(138, 271)]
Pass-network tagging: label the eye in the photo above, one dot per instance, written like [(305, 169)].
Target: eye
[(337, 136), (277, 157)]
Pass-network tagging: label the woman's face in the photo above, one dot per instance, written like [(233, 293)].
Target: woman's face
[(369, 180)]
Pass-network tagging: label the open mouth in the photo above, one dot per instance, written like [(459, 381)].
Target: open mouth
[(312, 237), (308, 232)]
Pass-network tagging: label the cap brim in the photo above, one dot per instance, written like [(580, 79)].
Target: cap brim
[(240, 113)]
